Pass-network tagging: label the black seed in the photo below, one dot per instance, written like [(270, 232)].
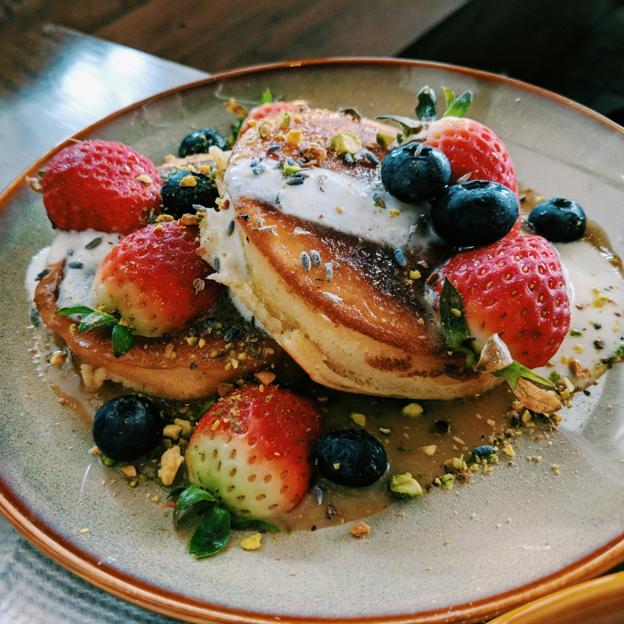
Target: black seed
[(75, 265), (94, 243)]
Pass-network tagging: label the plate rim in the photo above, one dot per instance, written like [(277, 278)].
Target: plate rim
[(156, 598)]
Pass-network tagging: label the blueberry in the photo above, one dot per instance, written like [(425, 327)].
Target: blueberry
[(127, 427), (179, 197), (199, 141), (351, 457), (414, 172), (474, 213), (559, 220)]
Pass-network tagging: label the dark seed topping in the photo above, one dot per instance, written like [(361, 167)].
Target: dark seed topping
[(42, 274), (380, 202), (230, 228), (94, 243), (315, 256), (295, 179), (75, 265), (371, 158), (216, 263), (329, 271), (306, 263), (273, 148)]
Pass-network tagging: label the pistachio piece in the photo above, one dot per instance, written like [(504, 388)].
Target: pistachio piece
[(405, 486), (346, 143)]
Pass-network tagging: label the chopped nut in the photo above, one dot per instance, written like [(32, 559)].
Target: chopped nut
[(188, 181), (412, 410), (58, 357), (509, 451), (170, 462), (265, 377), (405, 486), (555, 469), (358, 419), (384, 139), (172, 431), (429, 450), (129, 471), (185, 426), (253, 542), (415, 275), (359, 530), (94, 450), (144, 179), (294, 137), (189, 219), (345, 142)]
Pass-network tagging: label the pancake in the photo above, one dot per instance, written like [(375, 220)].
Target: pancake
[(172, 367), (333, 266)]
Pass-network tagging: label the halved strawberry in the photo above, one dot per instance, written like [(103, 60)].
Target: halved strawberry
[(155, 279), (252, 450), (516, 288)]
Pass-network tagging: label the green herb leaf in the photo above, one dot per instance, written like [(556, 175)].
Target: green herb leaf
[(235, 129), (426, 109), (266, 97), (449, 96), (459, 106), (74, 310), (96, 319), (289, 167), (408, 125), (242, 523), (122, 339), (456, 333), (191, 500), (200, 410), (515, 371), (212, 533)]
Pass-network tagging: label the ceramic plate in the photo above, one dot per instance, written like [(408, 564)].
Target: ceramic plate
[(451, 556)]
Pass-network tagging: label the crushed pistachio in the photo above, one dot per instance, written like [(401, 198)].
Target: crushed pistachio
[(345, 142), (404, 485), (385, 430), (294, 137), (415, 275), (447, 481), (358, 419), (172, 431), (412, 410), (429, 450), (509, 451), (170, 461), (144, 179)]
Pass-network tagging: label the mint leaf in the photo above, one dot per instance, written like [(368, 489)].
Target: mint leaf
[(74, 310), (212, 534), (426, 109), (96, 319), (456, 333), (122, 339), (408, 125), (266, 97), (192, 499), (242, 523), (512, 373), (459, 106)]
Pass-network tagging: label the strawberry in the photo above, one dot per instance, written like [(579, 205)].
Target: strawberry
[(472, 148), (100, 185), (516, 288), (155, 279), (252, 449)]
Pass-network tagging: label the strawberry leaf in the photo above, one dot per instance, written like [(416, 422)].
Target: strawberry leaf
[(426, 109), (74, 310), (449, 96), (456, 333), (242, 523), (459, 106), (515, 371), (96, 319), (266, 97), (191, 500), (122, 340), (408, 125), (212, 533)]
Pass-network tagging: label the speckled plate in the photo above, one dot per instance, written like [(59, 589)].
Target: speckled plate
[(452, 556)]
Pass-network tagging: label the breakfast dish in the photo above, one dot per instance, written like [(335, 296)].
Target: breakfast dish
[(195, 414), (325, 249)]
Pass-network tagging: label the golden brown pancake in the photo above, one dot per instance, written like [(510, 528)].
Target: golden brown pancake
[(169, 367), (367, 327)]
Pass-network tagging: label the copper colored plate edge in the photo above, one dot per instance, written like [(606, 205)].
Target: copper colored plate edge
[(552, 607), (158, 599)]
